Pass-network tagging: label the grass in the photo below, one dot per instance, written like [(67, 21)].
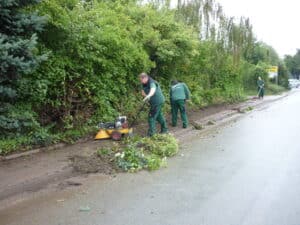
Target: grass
[(10, 145), (250, 92), (271, 89), (42, 139), (274, 89)]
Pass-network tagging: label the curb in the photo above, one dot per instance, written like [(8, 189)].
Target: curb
[(34, 151), (43, 149)]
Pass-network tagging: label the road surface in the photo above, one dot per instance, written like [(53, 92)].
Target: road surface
[(247, 173)]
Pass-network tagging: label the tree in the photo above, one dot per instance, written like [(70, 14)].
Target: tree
[(18, 40), (262, 52), (293, 64), (283, 75)]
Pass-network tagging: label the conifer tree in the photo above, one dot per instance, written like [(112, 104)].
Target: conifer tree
[(18, 53)]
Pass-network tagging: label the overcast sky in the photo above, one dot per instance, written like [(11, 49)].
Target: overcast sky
[(275, 22)]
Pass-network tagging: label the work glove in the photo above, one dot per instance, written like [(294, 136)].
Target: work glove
[(146, 98)]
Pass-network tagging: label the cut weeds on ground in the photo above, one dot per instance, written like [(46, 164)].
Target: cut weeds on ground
[(130, 155)]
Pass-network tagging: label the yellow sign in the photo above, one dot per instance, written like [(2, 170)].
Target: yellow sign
[(273, 69)]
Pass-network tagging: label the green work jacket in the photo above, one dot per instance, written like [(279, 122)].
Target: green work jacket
[(179, 91), (158, 97)]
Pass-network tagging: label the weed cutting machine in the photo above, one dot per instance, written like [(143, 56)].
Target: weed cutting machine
[(114, 130), (118, 129)]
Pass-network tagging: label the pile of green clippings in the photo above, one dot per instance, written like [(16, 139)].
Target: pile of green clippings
[(146, 153)]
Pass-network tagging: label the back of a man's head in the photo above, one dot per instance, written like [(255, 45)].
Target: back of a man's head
[(174, 82)]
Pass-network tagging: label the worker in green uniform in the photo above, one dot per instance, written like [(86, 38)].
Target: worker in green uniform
[(151, 92), (179, 93), (260, 88)]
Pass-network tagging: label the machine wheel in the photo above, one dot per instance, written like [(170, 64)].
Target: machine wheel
[(116, 136)]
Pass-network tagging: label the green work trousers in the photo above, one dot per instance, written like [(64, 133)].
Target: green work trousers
[(179, 105), (156, 114), (261, 92)]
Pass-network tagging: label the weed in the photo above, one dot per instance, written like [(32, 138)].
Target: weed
[(211, 123), (9, 145), (146, 153), (103, 151), (163, 145), (197, 126), (249, 108), (154, 162), (131, 159)]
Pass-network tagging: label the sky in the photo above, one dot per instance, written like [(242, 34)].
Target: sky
[(275, 22)]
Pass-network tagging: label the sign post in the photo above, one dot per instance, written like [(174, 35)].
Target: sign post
[(273, 73)]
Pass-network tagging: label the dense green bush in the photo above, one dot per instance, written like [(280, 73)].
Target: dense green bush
[(274, 89), (16, 120), (251, 73), (96, 53), (42, 137)]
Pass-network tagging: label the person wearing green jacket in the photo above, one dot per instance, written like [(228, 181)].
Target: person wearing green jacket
[(260, 88), (152, 92), (179, 93)]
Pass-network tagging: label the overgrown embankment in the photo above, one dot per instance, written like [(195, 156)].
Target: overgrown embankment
[(72, 63)]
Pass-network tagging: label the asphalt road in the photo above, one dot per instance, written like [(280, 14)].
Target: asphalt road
[(247, 173)]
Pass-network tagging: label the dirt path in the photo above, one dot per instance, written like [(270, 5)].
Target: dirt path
[(24, 176)]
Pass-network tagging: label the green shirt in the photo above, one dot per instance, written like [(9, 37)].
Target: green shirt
[(158, 97), (260, 83), (179, 91)]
